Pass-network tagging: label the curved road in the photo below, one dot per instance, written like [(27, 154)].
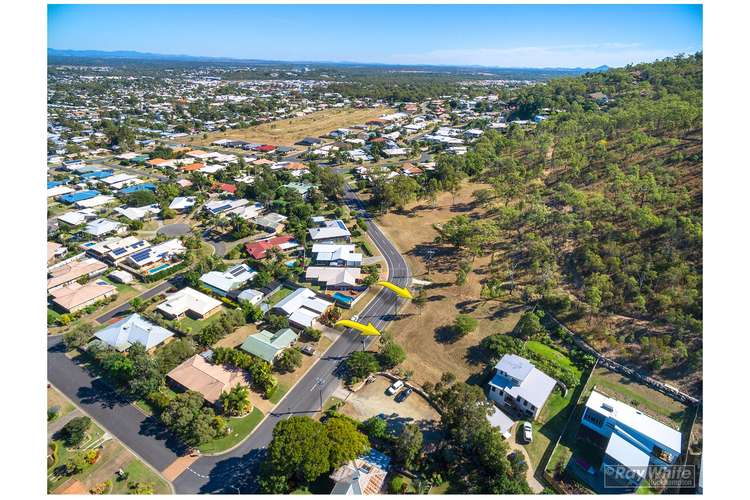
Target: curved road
[(236, 470)]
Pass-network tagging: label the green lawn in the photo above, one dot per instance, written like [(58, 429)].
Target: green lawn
[(241, 428), (63, 454), (138, 472), (552, 419), (552, 354), (274, 299), (121, 287), (278, 393), (196, 325), (548, 426)]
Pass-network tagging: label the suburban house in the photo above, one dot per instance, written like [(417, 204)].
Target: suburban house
[(128, 331), (78, 217), (267, 345), (628, 437), (120, 276), (73, 296), (182, 203), (518, 385), (230, 280), (336, 255), (309, 141), (342, 278), (302, 307), (54, 251), (78, 196), (250, 296), (189, 302), (114, 250), (210, 380), (102, 227), (362, 476), (138, 213), (156, 258), (259, 249), (96, 201), (247, 212), (271, 222), (68, 272), (330, 231), (217, 207)]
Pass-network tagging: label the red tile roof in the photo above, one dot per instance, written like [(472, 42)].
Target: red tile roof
[(227, 188), (265, 148), (258, 249)]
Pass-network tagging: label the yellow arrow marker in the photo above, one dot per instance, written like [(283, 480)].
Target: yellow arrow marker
[(401, 292), (367, 329)]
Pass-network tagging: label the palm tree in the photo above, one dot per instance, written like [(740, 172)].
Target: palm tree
[(236, 401)]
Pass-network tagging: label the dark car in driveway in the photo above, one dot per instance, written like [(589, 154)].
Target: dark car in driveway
[(404, 394)]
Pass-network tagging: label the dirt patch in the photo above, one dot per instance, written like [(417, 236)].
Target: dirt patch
[(287, 132), (371, 400), (431, 350)]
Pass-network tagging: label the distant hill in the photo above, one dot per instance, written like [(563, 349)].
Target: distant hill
[(150, 56)]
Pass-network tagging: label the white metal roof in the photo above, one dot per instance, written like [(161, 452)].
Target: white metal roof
[(636, 420)]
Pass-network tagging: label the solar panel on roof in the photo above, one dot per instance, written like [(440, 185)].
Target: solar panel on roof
[(237, 271), (141, 255), (341, 224), (119, 251)]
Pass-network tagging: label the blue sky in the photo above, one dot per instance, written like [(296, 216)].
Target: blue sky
[(490, 35)]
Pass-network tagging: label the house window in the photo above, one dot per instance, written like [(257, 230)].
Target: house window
[(594, 418)]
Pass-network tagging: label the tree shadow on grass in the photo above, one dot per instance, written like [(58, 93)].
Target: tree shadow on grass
[(469, 306), (446, 334)]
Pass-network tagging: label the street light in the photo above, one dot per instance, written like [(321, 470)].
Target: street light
[(320, 383)]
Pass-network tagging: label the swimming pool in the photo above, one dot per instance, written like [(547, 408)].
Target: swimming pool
[(159, 268), (343, 298)]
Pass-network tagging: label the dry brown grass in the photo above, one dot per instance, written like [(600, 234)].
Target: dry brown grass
[(287, 132), (429, 353)]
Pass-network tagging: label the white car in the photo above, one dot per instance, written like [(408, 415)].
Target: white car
[(527, 432), (355, 317), (398, 384)]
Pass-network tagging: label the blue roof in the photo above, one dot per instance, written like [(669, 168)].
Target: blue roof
[(79, 196), (378, 459), (99, 174), (138, 187)]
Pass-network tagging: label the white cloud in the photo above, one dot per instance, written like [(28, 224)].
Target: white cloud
[(580, 55)]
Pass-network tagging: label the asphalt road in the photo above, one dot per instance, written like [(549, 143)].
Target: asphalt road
[(236, 471), (125, 306), (144, 435)]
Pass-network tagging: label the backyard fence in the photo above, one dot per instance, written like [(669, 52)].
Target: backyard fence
[(610, 364), (551, 449)]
